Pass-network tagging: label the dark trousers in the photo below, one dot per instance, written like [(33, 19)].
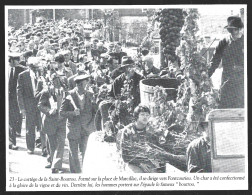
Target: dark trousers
[(31, 125), (57, 143), (74, 147), (15, 122)]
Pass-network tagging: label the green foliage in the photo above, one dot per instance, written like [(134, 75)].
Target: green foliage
[(171, 22), (195, 95), (202, 97)]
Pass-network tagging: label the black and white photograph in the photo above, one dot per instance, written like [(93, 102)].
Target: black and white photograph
[(120, 97)]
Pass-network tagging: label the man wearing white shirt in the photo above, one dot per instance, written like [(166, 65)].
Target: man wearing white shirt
[(15, 118)]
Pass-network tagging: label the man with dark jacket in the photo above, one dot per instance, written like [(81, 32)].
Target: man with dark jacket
[(78, 108), (129, 76), (26, 89), (15, 118), (230, 51), (52, 123), (198, 154)]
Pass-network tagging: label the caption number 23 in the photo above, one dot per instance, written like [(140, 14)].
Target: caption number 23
[(11, 178)]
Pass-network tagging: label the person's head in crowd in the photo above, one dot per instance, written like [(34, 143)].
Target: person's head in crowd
[(46, 39), (36, 41), (203, 127), (21, 46), (145, 51), (39, 36), (235, 27), (82, 51), (31, 45), (27, 54), (14, 59), (127, 60), (59, 59), (148, 63), (33, 63), (62, 35), (68, 34), (100, 46), (83, 58), (54, 47), (82, 81), (75, 41), (118, 47), (141, 115), (46, 45), (111, 47), (95, 42), (75, 51), (129, 70), (67, 55), (65, 45), (81, 45), (13, 46)]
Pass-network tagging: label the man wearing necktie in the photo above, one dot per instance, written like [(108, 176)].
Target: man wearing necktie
[(15, 118), (78, 108), (27, 102), (52, 123)]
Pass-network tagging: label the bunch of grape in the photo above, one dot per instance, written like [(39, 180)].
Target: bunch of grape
[(171, 23)]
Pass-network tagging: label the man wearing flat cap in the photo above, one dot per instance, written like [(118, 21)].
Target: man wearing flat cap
[(15, 117), (80, 71), (27, 86), (78, 108), (52, 123), (230, 51)]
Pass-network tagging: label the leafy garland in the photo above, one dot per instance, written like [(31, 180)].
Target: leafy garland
[(179, 121)]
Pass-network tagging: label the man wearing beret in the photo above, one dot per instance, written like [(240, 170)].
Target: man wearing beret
[(78, 108), (27, 86), (15, 118), (230, 51)]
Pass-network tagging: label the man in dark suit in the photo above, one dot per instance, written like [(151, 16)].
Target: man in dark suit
[(26, 88), (15, 118), (78, 108), (52, 123), (230, 51)]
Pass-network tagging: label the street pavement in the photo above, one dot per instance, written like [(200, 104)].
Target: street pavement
[(22, 163)]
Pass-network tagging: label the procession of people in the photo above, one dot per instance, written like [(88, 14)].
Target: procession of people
[(66, 85)]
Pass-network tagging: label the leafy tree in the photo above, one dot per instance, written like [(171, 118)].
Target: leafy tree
[(15, 18)]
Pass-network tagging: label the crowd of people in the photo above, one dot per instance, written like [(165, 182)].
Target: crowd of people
[(63, 82), (57, 77)]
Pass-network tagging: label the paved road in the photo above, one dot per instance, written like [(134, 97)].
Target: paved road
[(21, 162)]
